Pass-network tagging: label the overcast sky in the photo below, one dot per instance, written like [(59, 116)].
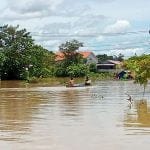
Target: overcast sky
[(104, 26)]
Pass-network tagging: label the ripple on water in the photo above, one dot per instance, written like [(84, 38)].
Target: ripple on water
[(95, 117)]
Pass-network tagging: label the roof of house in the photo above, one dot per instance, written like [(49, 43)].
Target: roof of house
[(114, 62), (85, 54), (111, 62), (60, 55)]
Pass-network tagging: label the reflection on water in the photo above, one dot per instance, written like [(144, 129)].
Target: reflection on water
[(140, 117), (17, 110), (70, 103), (60, 118)]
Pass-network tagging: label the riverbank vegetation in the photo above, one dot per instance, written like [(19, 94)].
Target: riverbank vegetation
[(140, 66), (22, 59)]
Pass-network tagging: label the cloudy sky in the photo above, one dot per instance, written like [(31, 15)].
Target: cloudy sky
[(104, 26)]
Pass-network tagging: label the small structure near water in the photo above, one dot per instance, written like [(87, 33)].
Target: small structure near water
[(109, 66)]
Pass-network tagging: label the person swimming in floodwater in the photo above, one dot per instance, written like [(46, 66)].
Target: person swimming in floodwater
[(71, 82), (87, 81)]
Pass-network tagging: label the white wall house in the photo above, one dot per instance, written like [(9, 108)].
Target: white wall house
[(90, 57)]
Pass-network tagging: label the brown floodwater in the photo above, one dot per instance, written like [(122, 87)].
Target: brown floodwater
[(37, 117)]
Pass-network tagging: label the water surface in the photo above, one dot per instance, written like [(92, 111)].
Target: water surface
[(59, 118)]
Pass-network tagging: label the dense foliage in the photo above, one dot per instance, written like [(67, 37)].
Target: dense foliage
[(73, 62), (140, 65), (20, 57), (77, 70), (105, 57), (92, 67), (69, 50)]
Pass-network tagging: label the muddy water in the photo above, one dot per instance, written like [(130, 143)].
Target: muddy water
[(36, 117)]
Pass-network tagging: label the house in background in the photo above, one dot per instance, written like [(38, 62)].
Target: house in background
[(109, 66), (87, 55), (59, 56)]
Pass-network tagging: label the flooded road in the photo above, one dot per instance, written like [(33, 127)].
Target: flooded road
[(83, 118)]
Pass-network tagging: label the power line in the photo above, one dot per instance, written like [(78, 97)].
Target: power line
[(61, 35), (139, 44), (112, 48), (143, 43), (122, 48)]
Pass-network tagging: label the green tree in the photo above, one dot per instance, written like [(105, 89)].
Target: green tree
[(72, 62), (42, 61), (92, 67), (22, 57), (104, 57), (14, 43), (2, 59), (69, 49), (140, 65), (120, 57), (77, 70)]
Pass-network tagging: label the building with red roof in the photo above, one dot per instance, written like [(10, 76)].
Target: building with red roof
[(89, 56)]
